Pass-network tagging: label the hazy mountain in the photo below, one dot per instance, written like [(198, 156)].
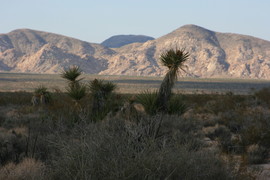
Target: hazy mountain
[(213, 54), (121, 40)]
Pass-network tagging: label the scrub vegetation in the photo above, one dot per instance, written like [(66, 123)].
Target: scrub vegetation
[(90, 131)]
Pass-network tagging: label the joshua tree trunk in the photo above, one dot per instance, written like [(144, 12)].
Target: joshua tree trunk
[(165, 91)]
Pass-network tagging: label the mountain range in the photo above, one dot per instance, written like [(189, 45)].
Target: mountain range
[(212, 54)]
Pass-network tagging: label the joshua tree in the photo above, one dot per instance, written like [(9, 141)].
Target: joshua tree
[(174, 60), (76, 90)]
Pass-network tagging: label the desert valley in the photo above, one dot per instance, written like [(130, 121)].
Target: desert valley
[(193, 104)]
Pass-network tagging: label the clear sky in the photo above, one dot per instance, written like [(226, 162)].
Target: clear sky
[(97, 20)]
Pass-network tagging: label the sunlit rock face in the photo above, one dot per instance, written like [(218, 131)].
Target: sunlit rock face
[(212, 54)]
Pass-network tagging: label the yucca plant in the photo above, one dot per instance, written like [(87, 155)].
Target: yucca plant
[(101, 92), (149, 101), (77, 93), (72, 74), (41, 96), (76, 90), (174, 60)]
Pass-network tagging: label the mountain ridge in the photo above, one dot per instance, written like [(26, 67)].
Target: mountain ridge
[(212, 54), (118, 41)]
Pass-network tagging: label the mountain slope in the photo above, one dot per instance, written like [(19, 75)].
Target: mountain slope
[(212, 54), (121, 40), (27, 50)]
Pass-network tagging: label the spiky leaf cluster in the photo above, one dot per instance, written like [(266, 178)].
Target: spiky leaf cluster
[(174, 60), (101, 92), (76, 90), (72, 74), (149, 101), (43, 92), (101, 87)]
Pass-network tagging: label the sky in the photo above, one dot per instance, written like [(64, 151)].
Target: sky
[(96, 20)]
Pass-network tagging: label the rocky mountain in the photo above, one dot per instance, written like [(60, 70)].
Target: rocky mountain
[(27, 50), (213, 54), (121, 40)]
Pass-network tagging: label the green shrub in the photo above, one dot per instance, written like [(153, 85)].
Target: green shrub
[(149, 101), (176, 105)]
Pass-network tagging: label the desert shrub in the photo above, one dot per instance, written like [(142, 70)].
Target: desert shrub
[(257, 154), (234, 120), (224, 103), (12, 146), (117, 149), (210, 121), (2, 119), (263, 95), (15, 98), (148, 100), (256, 129), (43, 94), (28, 169), (176, 105), (25, 140), (227, 142), (219, 132)]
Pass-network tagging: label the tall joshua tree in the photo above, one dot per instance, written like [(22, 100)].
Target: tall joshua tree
[(174, 60)]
